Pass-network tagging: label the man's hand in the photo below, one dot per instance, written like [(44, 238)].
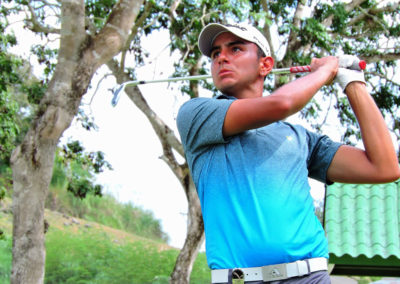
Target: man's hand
[(326, 65), (345, 76)]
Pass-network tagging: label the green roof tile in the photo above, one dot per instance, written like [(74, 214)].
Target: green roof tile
[(363, 220)]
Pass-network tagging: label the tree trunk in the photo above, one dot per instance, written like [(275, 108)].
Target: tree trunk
[(32, 162), (194, 239), (32, 170), (30, 188)]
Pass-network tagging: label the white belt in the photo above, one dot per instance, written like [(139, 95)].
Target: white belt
[(273, 272)]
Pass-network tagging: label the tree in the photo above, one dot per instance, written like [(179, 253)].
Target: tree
[(93, 33), (79, 55)]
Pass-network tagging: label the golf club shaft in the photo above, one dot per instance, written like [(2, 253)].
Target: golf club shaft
[(117, 91), (297, 69), (357, 65)]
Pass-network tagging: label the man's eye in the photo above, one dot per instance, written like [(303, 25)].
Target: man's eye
[(215, 54), (235, 48)]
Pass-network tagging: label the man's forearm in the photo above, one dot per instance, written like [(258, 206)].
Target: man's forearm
[(375, 135), (299, 92)]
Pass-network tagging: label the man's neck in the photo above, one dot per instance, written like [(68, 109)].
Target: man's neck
[(248, 94)]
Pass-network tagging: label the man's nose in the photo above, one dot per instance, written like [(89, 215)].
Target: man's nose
[(223, 56)]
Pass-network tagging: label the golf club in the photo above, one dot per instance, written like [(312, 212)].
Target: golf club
[(357, 65)]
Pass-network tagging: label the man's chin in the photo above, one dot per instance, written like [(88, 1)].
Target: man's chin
[(226, 87)]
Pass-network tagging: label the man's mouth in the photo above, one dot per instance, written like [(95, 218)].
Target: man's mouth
[(224, 72)]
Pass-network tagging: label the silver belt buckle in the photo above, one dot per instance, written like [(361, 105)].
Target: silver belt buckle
[(302, 268), (274, 272), (237, 276)]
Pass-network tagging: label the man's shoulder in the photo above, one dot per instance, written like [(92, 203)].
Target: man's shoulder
[(202, 100), (194, 105), (195, 101), (202, 113), (190, 106)]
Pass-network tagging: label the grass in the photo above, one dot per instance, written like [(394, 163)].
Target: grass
[(98, 240), (5, 259), (92, 258), (78, 253), (108, 211)]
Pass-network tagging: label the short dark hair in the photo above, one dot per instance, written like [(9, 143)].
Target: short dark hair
[(260, 53)]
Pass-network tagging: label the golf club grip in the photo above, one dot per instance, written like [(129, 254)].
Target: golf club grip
[(300, 69), (356, 65)]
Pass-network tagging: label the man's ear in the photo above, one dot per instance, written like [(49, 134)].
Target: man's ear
[(266, 65)]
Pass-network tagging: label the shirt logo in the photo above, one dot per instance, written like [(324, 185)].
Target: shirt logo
[(289, 138)]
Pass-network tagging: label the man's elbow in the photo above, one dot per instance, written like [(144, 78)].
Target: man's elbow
[(392, 174), (396, 173), (285, 107)]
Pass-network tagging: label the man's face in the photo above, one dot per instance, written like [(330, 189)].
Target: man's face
[(234, 64)]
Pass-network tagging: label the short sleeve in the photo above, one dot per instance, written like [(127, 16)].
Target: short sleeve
[(200, 122), (322, 150)]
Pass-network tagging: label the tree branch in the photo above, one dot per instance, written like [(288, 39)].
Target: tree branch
[(385, 78), (266, 28), (172, 9), (385, 57), (163, 131), (139, 23), (113, 36), (371, 12), (37, 26), (293, 42), (348, 7)]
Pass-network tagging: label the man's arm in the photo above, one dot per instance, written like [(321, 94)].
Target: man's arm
[(378, 163), (245, 114)]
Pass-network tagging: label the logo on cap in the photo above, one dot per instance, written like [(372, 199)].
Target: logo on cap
[(236, 26)]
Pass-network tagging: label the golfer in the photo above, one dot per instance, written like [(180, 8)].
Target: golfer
[(251, 168)]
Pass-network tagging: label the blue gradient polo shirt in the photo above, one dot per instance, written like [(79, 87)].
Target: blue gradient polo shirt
[(253, 187)]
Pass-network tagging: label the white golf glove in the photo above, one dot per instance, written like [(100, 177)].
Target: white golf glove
[(345, 75)]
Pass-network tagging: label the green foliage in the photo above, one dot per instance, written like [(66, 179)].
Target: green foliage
[(108, 211), (283, 8), (8, 130), (76, 168), (5, 180), (92, 258), (47, 57), (5, 258), (34, 91), (314, 31), (86, 121), (8, 107), (98, 11)]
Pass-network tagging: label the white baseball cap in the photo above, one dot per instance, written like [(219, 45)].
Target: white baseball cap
[(246, 32)]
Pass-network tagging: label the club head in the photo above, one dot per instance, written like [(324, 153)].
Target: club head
[(117, 94)]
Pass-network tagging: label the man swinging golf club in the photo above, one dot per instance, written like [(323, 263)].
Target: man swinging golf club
[(251, 169)]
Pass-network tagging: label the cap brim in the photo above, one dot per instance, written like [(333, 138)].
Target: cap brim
[(208, 35)]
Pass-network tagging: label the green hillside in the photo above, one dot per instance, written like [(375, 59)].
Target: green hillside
[(84, 251)]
